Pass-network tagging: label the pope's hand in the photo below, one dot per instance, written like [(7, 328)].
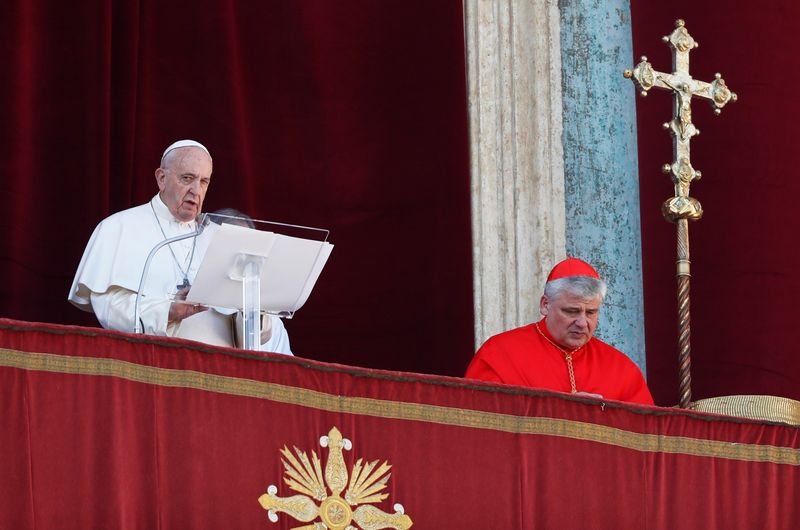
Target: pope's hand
[(179, 310)]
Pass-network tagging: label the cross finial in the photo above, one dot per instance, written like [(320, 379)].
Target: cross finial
[(683, 88)]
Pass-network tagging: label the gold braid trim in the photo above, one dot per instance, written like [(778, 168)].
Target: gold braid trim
[(380, 408)]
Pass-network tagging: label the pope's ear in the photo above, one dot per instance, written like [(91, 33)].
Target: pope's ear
[(161, 175), (543, 306)]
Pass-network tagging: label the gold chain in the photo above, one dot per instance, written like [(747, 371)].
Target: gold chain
[(567, 358)]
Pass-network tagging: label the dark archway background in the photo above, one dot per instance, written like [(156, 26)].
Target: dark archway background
[(745, 261), (347, 115)]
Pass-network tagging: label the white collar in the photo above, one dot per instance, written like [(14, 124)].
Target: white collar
[(163, 212)]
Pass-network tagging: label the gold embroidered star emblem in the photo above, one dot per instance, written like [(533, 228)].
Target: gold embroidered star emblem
[(320, 501)]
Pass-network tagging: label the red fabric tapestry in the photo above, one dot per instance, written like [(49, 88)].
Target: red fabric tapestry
[(110, 430)]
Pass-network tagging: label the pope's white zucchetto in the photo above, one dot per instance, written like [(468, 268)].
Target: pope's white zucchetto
[(183, 143)]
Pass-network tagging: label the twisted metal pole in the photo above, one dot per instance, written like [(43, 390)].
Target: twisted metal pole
[(684, 321)]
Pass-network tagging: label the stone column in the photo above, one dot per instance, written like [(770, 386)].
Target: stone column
[(600, 162), (514, 73)]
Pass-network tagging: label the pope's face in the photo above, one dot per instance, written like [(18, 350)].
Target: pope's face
[(183, 182), (571, 320)]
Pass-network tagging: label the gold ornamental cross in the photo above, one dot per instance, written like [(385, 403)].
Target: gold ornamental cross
[(683, 88), (682, 208)]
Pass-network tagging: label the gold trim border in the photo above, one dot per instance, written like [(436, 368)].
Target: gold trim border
[(400, 410), (765, 408)]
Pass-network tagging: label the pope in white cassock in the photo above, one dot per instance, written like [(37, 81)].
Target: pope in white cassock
[(111, 268)]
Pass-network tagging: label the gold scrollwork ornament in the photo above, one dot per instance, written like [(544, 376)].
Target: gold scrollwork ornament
[(643, 74), (680, 38), (336, 512), (720, 93), (676, 208)]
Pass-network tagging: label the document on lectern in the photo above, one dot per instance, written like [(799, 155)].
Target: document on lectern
[(290, 267)]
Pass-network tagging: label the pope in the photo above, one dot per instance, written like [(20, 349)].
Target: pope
[(560, 351), (111, 269)]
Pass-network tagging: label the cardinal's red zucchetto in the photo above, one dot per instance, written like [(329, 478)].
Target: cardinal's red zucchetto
[(572, 267)]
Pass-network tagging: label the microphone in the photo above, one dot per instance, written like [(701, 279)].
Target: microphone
[(202, 222)]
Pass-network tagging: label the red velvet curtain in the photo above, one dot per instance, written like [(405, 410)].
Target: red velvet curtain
[(347, 115), (109, 430), (745, 284), (351, 115)]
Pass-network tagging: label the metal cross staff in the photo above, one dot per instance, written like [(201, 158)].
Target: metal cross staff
[(682, 208)]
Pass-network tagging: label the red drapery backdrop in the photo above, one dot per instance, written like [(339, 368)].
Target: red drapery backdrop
[(346, 115), (110, 430), (351, 115), (745, 281)]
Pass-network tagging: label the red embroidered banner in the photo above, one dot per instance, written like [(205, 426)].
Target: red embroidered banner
[(110, 430)]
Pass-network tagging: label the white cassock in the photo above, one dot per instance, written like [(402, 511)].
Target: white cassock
[(110, 271)]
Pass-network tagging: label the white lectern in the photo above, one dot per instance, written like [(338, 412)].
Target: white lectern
[(257, 271)]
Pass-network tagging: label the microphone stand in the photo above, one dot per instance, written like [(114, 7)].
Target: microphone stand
[(201, 224)]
